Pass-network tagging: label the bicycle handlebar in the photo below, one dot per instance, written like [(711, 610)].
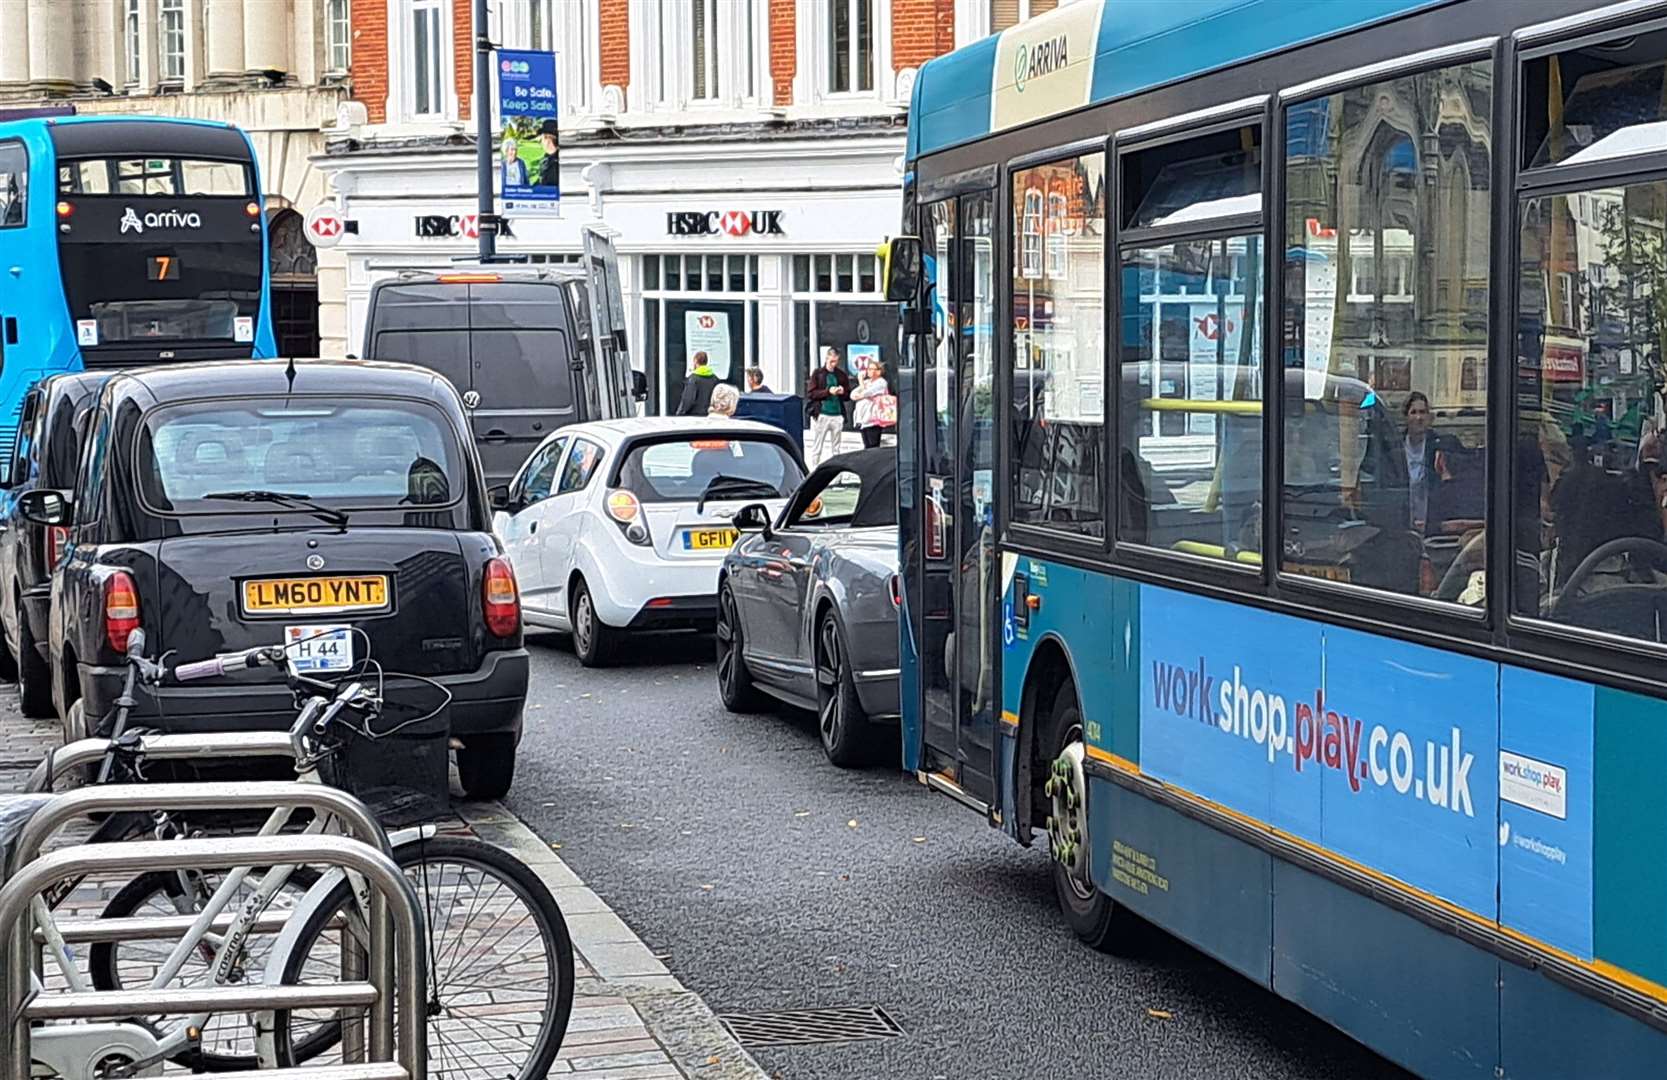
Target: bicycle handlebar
[(220, 664)]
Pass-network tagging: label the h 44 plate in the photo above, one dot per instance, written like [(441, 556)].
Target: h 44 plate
[(315, 649)]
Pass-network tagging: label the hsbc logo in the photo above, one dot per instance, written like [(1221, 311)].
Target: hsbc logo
[(448, 225), (735, 223)]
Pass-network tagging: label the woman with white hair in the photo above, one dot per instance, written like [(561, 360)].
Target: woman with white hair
[(724, 400), (515, 170)]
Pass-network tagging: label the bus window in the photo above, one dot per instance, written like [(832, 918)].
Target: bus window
[(14, 184), (1590, 520), (154, 176), (1386, 297), (1190, 446), (1058, 348), (1595, 104)]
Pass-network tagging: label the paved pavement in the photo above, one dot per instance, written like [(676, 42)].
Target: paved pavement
[(768, 880), (632, 1019)]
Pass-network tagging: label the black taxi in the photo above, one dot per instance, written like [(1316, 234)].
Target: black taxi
[(337, 507)]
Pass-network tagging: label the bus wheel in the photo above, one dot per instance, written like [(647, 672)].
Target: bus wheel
[(1089, 912)]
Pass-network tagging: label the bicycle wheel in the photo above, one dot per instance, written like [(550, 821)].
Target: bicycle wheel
[(500, 965), (228, 1040)]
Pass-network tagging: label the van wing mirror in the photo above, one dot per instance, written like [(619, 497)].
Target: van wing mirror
[(900, 259), (754, 518), (44, 506)]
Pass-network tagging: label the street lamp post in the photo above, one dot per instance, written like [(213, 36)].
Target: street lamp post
[(486, 216)]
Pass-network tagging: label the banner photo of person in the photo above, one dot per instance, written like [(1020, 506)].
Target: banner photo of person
[(529, 144)]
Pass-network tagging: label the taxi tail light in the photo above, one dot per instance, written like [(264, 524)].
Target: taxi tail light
[(626, 512), (57, 538), (500, 600), (121, 609)]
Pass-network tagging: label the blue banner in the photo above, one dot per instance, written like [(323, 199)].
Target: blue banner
[(530, 146)]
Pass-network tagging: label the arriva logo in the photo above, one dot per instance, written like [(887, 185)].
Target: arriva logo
[(1035, 61), (159, 219)]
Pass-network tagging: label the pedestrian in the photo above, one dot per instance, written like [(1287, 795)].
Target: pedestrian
[(876, 411), (549, 169), (724, 400), (515, 170), (755, 381), (697, 388), (829, 387)]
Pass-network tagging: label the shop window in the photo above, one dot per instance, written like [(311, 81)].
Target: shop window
[(651, 271), (1385, 451), (1596, 103), (824, 273), (1058, 354), (14, 185)]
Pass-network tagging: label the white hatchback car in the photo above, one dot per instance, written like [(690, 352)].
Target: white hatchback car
[(622, 525)]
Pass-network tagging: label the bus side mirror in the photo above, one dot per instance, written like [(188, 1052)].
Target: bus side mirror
[(639, 385), (901, 260)]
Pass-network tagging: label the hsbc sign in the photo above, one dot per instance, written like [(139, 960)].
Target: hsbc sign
[(736, 223)]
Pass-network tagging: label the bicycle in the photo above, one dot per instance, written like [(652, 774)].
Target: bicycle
[(518, 989)]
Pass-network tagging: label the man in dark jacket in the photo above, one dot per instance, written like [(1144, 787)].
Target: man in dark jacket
[(697, 388), (827, 390), (549, 169)]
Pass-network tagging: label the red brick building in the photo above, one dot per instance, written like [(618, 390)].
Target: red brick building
[(785, 115)]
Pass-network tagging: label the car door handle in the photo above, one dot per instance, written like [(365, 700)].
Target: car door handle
[(771, 572), (496, 435)]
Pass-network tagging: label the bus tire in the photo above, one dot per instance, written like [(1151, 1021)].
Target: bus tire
[(1090, 913)]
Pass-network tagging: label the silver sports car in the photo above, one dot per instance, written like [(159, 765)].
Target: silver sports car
[(808, 603)]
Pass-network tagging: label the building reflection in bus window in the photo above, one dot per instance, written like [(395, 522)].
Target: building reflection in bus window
[(1589, 392), (1058, 345), (1385, 329)]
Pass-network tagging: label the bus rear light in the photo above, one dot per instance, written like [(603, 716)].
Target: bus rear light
[(252, 209), (121, 609), (500, 599), (57, 538), (66, 209)]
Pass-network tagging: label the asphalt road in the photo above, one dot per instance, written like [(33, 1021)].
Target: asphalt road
[(768, 879)]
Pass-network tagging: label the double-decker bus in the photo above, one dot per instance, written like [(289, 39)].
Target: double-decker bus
[(126, 241), (1283, 506)]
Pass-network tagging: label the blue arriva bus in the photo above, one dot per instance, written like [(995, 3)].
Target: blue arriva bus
[(1284, 534), (126, 241)]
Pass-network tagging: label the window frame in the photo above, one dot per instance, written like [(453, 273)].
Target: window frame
[(662, 54), (1261, 112), (1008, 529), (338, 35), (1598, 650), (132, 44), (170, 63), (442, 88), (23, 185), (1382, 605), (600, 460), (555, 450)]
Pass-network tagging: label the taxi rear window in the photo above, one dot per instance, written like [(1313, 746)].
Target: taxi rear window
[(692, 467), (233, 456)]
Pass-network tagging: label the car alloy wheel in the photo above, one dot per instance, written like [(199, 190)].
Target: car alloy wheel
[(829, 673), (729, 644), (584, 621)]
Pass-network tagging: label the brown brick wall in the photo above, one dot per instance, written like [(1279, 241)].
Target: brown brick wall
[(920, 30), (784, 56), (370, 58), (615, 32), (463, 53)]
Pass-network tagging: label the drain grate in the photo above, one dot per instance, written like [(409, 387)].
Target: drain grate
[(807, 1027)]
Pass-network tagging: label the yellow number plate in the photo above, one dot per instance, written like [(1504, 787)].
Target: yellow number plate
[(284, 596), (710, 539)]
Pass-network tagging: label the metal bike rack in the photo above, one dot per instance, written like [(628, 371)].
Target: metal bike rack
[(115, 798), (206, 745), (397, 1036)]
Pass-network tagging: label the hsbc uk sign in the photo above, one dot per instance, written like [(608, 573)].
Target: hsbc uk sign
[(736, 223)]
